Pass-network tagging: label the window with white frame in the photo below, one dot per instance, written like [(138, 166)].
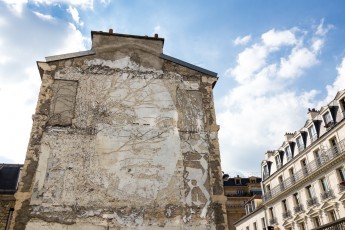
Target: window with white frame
[(332, 216), (288, 153), (312, 133), (324, 184), (263, 223), (316, 221), (327, 118), (300, 144), (278, 162)]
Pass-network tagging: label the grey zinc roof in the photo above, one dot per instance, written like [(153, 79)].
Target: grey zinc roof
[(188, 65), (70, 55)]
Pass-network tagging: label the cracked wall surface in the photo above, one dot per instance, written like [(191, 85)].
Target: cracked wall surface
[(122, 139)]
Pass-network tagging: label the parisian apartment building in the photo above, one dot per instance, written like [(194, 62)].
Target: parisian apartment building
[(123, 137), (304, 179), (238, 191)]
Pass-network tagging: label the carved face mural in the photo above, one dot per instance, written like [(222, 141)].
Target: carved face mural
[(142, 152)]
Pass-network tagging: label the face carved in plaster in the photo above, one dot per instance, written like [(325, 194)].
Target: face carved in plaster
[(141, 155)]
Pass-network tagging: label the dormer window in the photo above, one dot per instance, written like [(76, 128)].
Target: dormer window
[(300, 144), (266, 173), (237, 181), (288, 153), (312, 133), (327, 119), (278, 162)]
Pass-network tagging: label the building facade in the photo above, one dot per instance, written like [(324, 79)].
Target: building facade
[(238, 191), (124, 137), (304, 179), (9, 175)]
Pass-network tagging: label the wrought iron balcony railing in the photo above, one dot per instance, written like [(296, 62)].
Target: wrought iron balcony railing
[(311, 202), (286, 214), (335, 225), (311, 167), (298, 208), (273, 220), (327, 194)]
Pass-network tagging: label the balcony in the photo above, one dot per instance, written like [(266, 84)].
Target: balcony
[(311, 202), (298, 208), (273, 220), (335, 225), (325, 158), (341, 186), (327, 194), (286, 214)]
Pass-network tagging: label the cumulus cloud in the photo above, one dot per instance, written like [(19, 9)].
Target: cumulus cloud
[(338, 84), (242, 40), (275, 38), (19, 77), (263, 106)]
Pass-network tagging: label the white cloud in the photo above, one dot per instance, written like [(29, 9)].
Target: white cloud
[(242, 41), (45, 17), (337, 85), (298, 60), (80, 3), (322, 30), (73, 42), (75, 15), (255, 114), (15, 6), (279, 38)]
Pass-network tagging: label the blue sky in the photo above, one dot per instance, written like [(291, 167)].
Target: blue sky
[(274, 59)]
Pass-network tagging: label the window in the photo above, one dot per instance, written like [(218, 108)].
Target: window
[(341, 174), (237, 181), (309, 191), (296, 199), (301, 226), (300, 144), (281, 183), (304, 167), (263, 223), (288, 153), (312, 133), (316, 221), (278, 162), (327, 118), (247, 228), (332, 216), (285, 209), (265, 171), (324, 184), (317, 157), (254, 226), (334, 145), (292, 175)]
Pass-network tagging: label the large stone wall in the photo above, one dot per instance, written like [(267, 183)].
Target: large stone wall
[(122, 139)]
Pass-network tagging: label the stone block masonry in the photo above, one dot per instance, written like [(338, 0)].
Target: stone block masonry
[(122, 139)]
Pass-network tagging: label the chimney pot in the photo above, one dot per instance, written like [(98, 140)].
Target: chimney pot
[(110, 31), (156, 35)]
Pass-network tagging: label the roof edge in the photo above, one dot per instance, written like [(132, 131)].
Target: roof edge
[(188, 65), (125, 35), (70, 55)]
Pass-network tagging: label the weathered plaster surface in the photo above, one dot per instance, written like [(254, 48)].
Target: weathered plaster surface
[(117, 144)]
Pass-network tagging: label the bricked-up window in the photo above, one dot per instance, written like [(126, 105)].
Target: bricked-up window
[(63, 102)]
